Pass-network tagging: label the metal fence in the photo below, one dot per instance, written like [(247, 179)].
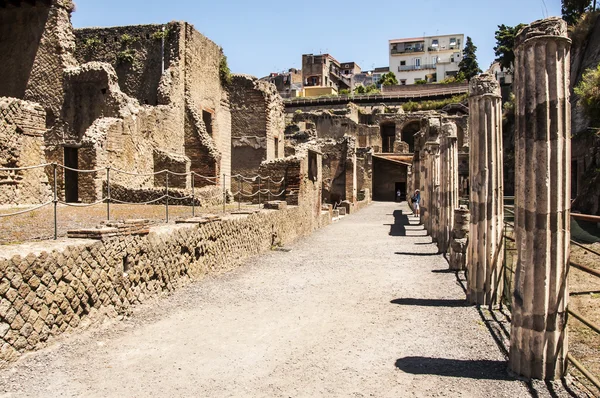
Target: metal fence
[(259, 187), (509, 269)]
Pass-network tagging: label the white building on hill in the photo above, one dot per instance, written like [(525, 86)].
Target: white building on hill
[(431, 58)]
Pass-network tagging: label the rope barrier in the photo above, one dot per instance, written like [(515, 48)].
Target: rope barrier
[(25, 168), (137, 174), (82, 204), (78, 170), (138, 203), (27, 211)]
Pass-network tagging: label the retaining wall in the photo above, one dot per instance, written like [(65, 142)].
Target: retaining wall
[(51, 290)]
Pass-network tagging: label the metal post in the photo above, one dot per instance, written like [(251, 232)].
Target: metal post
[(108, 193), (224, 193), (259, 192), (167, 197), (239, 193), (55, 203), (193, 197)]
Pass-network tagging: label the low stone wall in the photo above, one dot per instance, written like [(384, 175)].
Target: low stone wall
[(52, 290), (206, 196)]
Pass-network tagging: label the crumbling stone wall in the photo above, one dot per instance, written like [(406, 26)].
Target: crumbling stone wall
[(135, 52), (257, 123), (37, 44), (42, 294), (22, 125)]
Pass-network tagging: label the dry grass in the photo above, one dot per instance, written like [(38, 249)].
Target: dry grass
[(584, 343), (39, 224)]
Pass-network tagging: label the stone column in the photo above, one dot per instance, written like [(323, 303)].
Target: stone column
[(431, 163), (460, 240), (538, 344), (486, 194), (448, 194)]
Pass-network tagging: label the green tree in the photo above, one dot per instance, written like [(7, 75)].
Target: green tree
[(469, 66), (505, 45), (573, 9), (588, 91), (389, 79)]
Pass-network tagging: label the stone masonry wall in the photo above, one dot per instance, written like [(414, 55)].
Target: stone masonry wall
[(22, 125), (46, 293), (257, 123), (36, 46)]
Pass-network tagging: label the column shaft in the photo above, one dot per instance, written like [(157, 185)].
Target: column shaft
[(538, 344)]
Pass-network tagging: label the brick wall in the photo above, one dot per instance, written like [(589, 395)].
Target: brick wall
[(257, 123), (49, 291), (22, 125)]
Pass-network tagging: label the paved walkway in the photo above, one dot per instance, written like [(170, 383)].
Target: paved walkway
[(361, 308)]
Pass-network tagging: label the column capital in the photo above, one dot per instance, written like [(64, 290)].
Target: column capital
[(554, 28), (484, 85)]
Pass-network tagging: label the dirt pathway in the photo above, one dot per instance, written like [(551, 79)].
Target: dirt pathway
[(361, 308)]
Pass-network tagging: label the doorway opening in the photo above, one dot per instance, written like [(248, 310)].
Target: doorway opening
[(388, 136), (71, 177), (400, 191), (408, 134)]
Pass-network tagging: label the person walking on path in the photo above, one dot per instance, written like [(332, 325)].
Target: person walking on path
[(416, 200)]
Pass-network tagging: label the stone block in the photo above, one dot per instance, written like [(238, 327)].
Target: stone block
[(342, 211), (275, 205)]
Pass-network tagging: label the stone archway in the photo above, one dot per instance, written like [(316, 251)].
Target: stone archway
[(409, 129)]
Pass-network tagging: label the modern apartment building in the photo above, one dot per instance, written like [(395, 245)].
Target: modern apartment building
[(431, 58), (323, 72)]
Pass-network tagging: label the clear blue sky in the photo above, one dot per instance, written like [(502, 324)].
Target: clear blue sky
[(263, 36)]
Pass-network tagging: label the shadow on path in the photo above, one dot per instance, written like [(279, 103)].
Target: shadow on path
[(417, 254), (401, 221), (473, 369), (430, 302)]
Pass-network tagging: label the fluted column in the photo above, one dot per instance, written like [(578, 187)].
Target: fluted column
[(429, 193), (486, 196), (538, 344), (448, 196), (460, 240)]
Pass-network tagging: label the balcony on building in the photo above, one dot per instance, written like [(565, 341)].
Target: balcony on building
[(407, 48), (405, 68)]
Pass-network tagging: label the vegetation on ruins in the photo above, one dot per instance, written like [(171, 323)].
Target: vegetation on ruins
[(370, 89), (389, 79), (588, 91), (224, 71), (582, 29), (126, 56), (505, 45), (412, 106), (459, 78), (161, 34), (127, 40), (469, 66), (421, 81), (572, 10), (91, 42), (345, 91)]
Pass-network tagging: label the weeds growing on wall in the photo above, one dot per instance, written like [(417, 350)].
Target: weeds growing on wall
[(433, 104), (126, 56), (91, 42), (161, 34), (588, 91), (224, 71), (582, 29), (127, 40)]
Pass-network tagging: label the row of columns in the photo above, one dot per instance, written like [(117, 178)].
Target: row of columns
[(538, 343)]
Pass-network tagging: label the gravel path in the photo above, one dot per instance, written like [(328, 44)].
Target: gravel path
[(360, 308)]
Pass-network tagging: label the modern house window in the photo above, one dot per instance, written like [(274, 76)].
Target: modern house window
[(402, 63), (434, 60), (417, 63), (403, 82), (453, 41), (435, 43)]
